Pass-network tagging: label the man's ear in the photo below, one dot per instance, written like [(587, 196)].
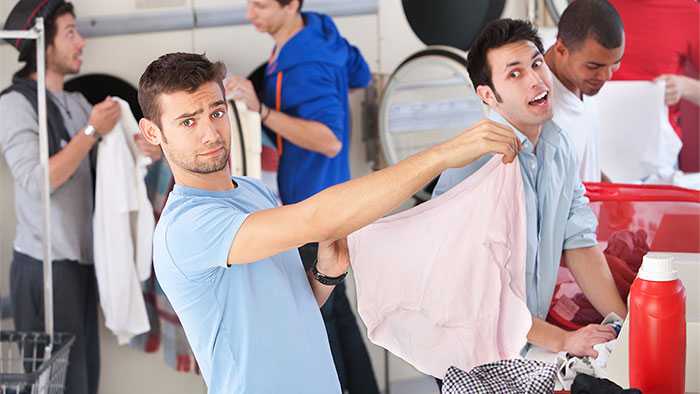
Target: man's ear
[(560, 48), (486, 94), (150, 131)]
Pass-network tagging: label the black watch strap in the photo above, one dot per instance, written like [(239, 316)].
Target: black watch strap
[(327, 280)]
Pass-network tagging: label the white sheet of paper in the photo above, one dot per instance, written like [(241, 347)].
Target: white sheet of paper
[(637, 141)]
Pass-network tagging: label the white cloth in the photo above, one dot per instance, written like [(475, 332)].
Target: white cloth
[(569, 366), (246, 144), (123, 226), (581, 120), (638, 143)]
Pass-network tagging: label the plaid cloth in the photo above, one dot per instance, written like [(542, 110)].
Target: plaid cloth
[(505, 377)]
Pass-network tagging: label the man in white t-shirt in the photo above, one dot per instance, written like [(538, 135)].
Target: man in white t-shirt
[(589, 48)]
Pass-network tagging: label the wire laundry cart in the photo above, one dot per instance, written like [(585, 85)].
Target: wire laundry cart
[(36, 362)]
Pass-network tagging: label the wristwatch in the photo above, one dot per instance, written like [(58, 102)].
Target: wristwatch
[(327, 280), (90, 131)]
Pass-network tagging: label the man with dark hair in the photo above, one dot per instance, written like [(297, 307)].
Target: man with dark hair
[(225, 253), (506, 65), (74, 128), (589, 48), (305, 105)]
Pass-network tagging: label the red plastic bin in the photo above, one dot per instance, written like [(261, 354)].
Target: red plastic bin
[(632, 220)]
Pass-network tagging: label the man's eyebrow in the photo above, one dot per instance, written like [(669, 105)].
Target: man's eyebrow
[(517, 62), (189, 114), (511, 64)]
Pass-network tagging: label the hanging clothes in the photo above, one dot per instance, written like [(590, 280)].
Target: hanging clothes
[(123, 226), (443, 284)]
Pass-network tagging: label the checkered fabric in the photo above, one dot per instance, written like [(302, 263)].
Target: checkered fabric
[(504, 377)]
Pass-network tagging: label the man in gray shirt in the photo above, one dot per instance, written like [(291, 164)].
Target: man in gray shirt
[(74, 129)]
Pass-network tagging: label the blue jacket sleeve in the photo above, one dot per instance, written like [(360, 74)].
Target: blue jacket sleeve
[(359, 75), (311, 91)]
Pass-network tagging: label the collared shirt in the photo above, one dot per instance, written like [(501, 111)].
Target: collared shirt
[(558, 215), (580, 119)]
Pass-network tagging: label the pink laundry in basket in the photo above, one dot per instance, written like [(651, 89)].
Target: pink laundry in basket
[(443, 284)]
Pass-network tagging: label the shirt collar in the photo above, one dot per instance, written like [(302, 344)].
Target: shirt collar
[(527, 146), (550, 133), (565, 96)]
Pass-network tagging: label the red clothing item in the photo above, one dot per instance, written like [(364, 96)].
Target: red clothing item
[(660, 37)]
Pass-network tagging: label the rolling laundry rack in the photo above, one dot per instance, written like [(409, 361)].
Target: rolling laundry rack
[(36, 362)]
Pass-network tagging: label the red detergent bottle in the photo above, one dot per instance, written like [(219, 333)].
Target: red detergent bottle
[(657, 342)]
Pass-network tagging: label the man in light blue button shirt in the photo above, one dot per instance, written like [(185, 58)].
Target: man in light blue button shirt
[(507, 68)]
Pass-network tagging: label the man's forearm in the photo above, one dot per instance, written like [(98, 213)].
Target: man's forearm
[(691, 90), (321, 291), (335, 212), (311, 135), (592, 274), (546, 336), (372, 195), (63, 164)]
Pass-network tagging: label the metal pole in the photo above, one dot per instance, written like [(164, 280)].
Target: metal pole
[(45, 190)]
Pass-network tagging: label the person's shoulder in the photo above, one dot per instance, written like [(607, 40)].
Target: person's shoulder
[(556, 135), (564, 144), (257, 187), (13, 101)]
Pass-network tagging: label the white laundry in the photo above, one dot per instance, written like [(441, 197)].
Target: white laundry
[(123, 226), (246, 140), (569, 366), (638, 143)]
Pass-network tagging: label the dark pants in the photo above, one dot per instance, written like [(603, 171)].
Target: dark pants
[(349, 352), (75, 312)]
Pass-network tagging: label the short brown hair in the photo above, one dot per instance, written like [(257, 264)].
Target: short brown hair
[(286, 2), (176, 72)]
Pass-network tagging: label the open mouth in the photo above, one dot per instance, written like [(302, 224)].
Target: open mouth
[(540, 99)]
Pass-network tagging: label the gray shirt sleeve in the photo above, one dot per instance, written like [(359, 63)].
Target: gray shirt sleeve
[(19, 141)]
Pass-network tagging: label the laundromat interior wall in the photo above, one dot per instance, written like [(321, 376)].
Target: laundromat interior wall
[(384, 38)]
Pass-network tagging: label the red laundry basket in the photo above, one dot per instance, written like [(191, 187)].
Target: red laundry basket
[(632, 220)]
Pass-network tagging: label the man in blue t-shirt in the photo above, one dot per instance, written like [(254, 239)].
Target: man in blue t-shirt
[(225, 254), (305, 106)]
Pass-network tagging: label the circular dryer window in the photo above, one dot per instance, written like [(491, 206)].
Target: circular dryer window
[(450, 22), (427, 100)]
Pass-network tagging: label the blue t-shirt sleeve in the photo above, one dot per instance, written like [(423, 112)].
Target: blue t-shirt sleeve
[(199, 237), (312, 89), (261, 188)]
